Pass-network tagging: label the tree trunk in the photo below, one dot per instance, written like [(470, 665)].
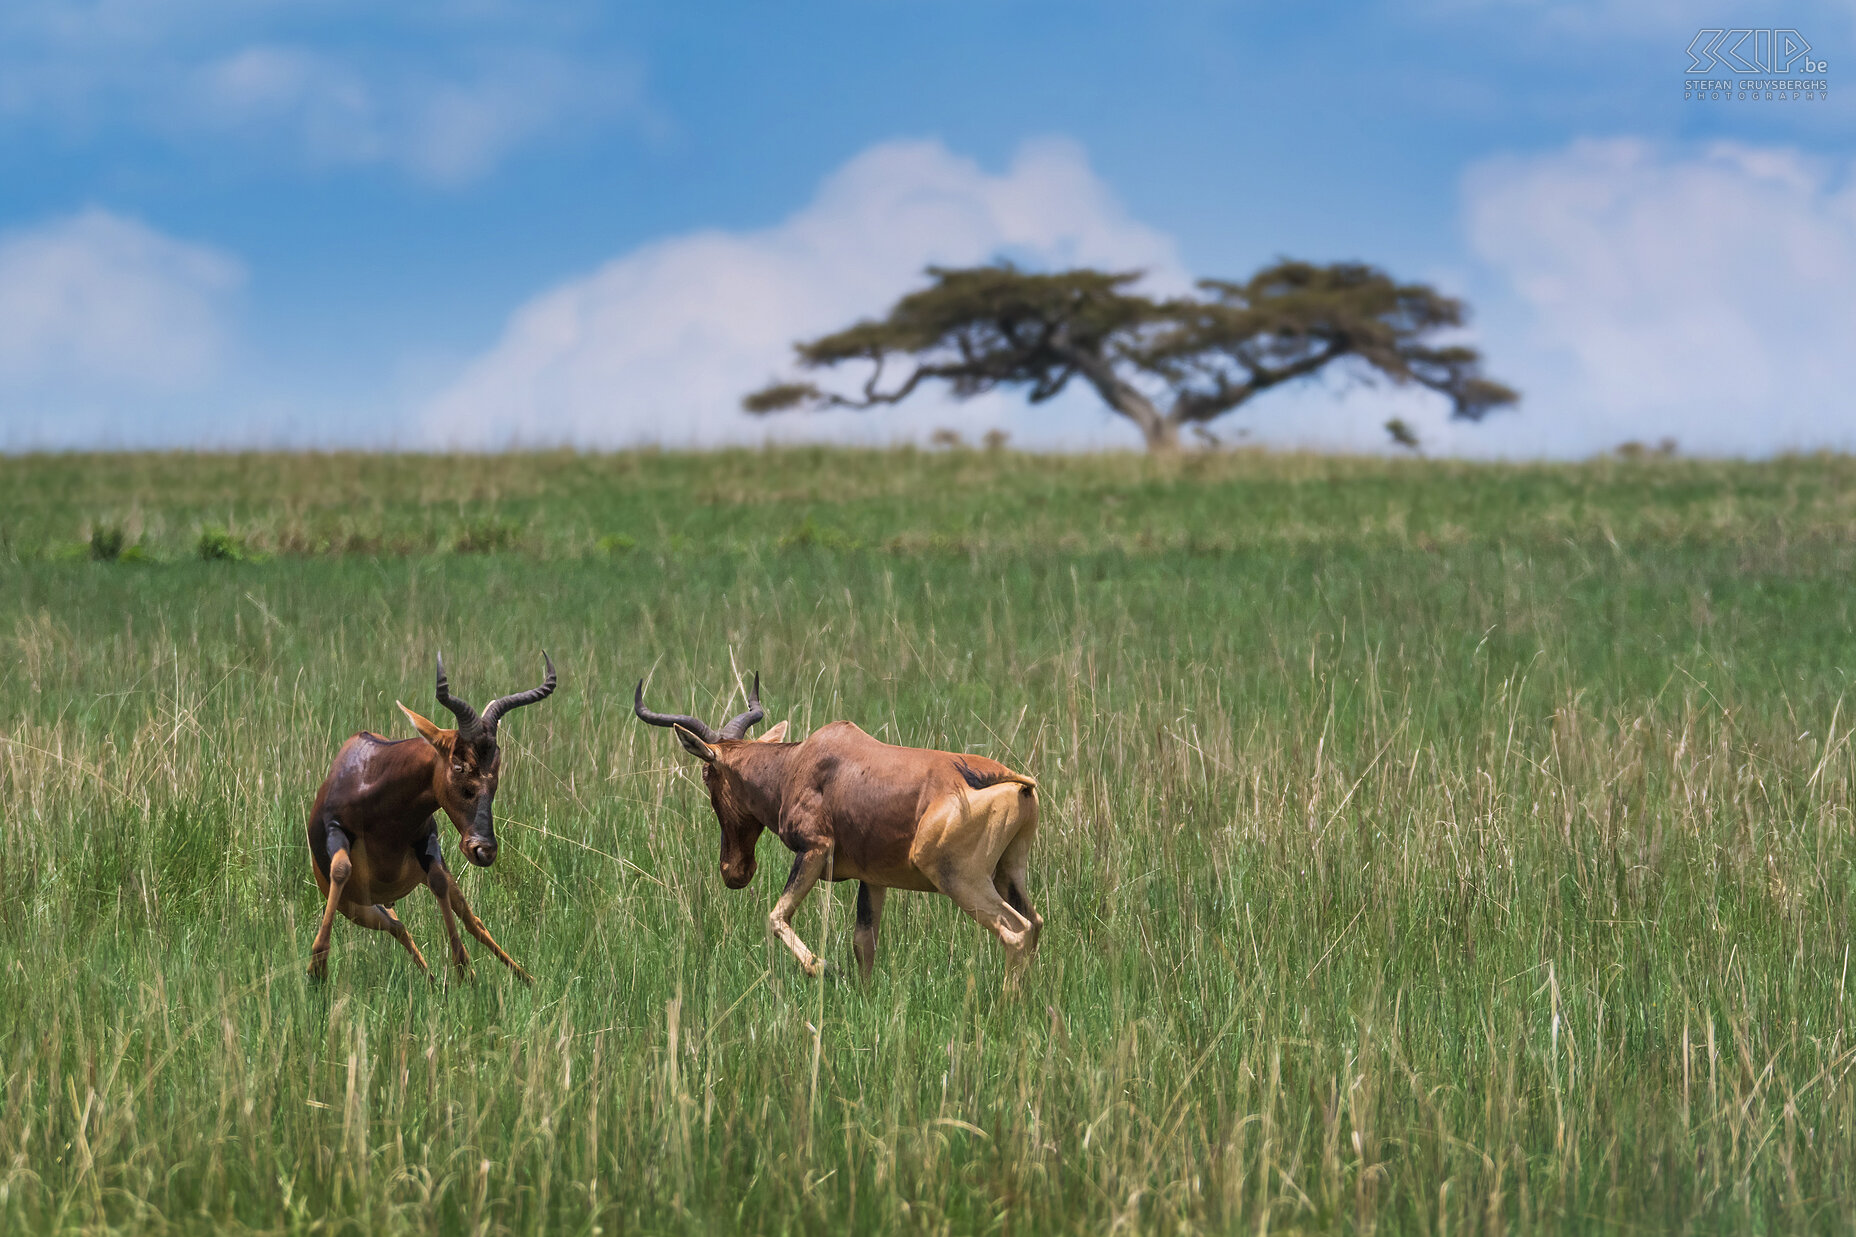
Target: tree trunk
[(1160, 431), (1162, 435)]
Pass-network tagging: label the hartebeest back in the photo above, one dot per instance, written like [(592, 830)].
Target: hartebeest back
[(373, 833), (852, 808)]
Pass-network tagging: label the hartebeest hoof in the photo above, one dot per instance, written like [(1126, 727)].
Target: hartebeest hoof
[(814, 967)]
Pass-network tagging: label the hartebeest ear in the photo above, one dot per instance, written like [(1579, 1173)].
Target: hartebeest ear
[(428, 730), (775, 735), (695, 746)]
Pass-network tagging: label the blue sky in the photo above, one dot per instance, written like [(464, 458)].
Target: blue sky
[(278, 222)]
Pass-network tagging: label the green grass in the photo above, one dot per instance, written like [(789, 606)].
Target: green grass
[(1426, 847)]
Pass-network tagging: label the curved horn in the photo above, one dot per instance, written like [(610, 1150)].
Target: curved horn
[(467, 716), (494, 711), (738, 725), (695, 726)]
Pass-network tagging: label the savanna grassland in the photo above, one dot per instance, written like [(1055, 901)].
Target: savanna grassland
[(1426, 848)]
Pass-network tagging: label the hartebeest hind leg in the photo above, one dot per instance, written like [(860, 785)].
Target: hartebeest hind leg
[(976, 896), (962, 845), (1009, 879), (869, 917), (1013, 891), (807, 868), (340, 867)]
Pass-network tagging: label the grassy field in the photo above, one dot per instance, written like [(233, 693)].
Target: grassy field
[(1426, 847)]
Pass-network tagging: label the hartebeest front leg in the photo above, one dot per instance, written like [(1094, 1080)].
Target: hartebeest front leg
[(807, 867), (452, 906), (340, 867), (441, 885), (476, 929), (439, 881), (382, 919), (869, 917)]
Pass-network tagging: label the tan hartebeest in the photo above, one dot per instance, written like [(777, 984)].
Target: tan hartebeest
[(373, 834), (852, 808)]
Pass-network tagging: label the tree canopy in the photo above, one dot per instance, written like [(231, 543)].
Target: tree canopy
[(1162, 363)]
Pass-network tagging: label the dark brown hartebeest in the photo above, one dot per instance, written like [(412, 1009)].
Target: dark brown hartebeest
[(852, 808), (373, 834)]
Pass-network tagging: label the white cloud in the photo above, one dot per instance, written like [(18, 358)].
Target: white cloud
[(1705, 298), (447, 127), (659, 345), (98, 302), (444, 94)]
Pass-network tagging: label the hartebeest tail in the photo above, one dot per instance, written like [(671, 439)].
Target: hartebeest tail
[(852, 808), (980, 781), (373, 833)]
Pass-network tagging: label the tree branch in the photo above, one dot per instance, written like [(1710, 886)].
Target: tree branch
[(1201, 406)]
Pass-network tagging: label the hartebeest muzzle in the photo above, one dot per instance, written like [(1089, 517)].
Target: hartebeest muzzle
[(739, 875), (738, 838), (479, 845)]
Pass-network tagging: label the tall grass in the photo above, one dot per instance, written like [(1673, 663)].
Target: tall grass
[(1491, 881)]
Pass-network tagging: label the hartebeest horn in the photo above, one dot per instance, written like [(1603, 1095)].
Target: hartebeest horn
[(502, 704), (738, 725), (467, 716), (694, 725)]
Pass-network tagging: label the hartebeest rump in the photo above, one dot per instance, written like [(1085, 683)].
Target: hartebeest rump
[(373, 834), (852, 808)]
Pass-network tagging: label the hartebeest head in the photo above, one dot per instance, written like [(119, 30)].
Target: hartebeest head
[(464, 775), (741, 807)]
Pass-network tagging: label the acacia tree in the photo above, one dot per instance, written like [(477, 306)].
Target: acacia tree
[(1162, 363)]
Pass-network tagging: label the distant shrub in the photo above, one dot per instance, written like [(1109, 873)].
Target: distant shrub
[(1402, 433), (995, 439), (615, 543), (107, 542), (485, 536), (218, 545), (947, 438), (1665, 448), (811, 533), (310, 543)]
